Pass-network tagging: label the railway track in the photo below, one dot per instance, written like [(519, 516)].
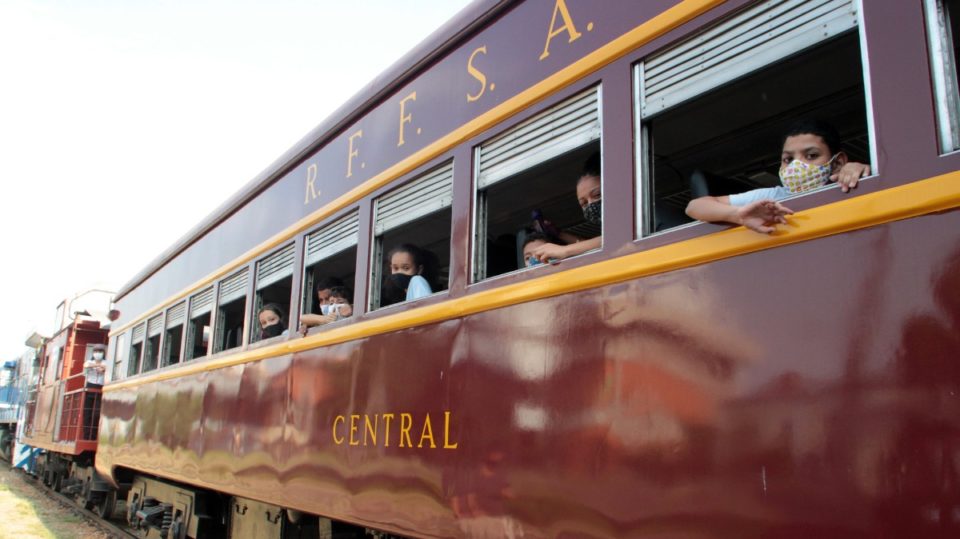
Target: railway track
[(113, 528)]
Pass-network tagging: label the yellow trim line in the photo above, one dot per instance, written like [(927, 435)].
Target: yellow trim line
[(590, 63), (923, 197)]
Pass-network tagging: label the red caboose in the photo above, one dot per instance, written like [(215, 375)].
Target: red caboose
[(63, 411)]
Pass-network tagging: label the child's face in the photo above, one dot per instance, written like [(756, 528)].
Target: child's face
[(268, 318), (528, 250), (402, 262), (808, 148)]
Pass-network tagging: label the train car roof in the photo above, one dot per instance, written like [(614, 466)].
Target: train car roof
[(441, 41)]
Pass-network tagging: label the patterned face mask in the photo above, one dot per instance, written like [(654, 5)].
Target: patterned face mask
[(592, 212), (798, 176)]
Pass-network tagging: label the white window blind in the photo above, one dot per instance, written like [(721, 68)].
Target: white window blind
[(333, 238), (155, 325), (741, 44), (138, 333), (275, 267), (201, 303), (233, 287), (175, 314), (565, 127), (430, 192)]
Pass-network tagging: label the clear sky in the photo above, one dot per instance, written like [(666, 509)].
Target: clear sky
[(123, 123)]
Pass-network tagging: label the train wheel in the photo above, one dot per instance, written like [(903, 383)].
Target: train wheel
[(104, 508), (84, 498)]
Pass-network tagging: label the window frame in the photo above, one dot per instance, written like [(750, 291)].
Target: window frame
[(643, 211), (477, 262)]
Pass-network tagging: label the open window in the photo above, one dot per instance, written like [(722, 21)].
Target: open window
[(529, 175), (417, 213), (943, 16), (152, 349), (198, 327), (231, 306), (136, 349), (712, 110), (330, 259), (274, 285), (173, 336)]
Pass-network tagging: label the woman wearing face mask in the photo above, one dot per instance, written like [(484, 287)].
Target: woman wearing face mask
[(811, 158), (272, 322), (411, 272), (589, 198)]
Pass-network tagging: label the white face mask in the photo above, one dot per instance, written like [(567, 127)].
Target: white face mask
[(798, 176), (330, 308), (98, 355)]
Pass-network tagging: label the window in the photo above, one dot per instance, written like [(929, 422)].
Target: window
[(198, 328), (416, 214), (330, 259), (231, 306), (136, 348), (119, 355), (712, 109), (274, 284), (173, 336), (152, 349), (942, 19), (58, 372), (529, 174)]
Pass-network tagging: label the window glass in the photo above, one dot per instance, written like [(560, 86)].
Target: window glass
[(942, 20), (231, 306), (412, 239), (273, 288), (715, 127), (529, 185), (119, 355), (198, 326), (173, 336), (151, 353), (136, 349), (329, 277)]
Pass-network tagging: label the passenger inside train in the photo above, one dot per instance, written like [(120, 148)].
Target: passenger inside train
[(272, 321), (334, 302), (410, 275), (532, 241), (589, 198), (811, 157), (419, 264)]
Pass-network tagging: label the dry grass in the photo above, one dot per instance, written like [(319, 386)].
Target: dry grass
[(26, 512)]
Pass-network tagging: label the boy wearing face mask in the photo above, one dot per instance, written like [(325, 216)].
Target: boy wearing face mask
[(589, 196), (337, 306), (810, 159)]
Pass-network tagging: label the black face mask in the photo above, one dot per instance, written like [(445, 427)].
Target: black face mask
[(394, 289), (271, 331)]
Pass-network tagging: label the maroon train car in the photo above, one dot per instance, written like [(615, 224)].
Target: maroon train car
[(683, 379), (62, 413)]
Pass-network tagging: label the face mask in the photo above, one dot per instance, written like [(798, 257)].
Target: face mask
[(798, 176), (271, 331), (98, 355), (532, 261), (330, 308), (592, 212)]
